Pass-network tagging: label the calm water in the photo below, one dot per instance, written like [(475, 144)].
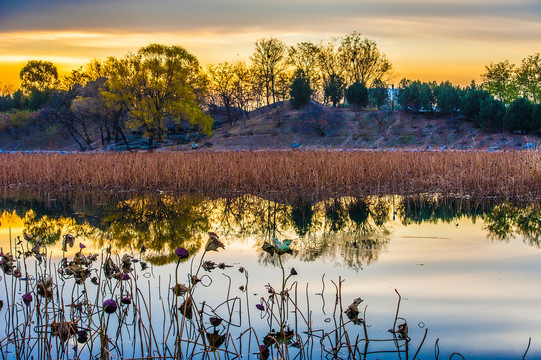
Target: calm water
[(468, 271)]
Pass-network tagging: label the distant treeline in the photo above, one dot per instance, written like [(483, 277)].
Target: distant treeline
[(162, 88)]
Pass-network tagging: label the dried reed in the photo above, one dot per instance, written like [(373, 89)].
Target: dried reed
[(505, 174)]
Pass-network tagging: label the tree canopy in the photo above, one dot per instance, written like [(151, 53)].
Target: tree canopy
[(38, 75), (156, 84)]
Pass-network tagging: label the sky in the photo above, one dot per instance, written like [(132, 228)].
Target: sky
[(424, 39)]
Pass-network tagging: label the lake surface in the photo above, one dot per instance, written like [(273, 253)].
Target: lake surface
[(468, 271)]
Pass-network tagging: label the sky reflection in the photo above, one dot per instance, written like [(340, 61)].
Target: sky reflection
[(479, 295)]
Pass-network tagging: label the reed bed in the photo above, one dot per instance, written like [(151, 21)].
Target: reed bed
[(484, 174)]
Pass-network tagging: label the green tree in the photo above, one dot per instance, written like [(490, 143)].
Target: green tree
[(357, 94), (379, 93), (38, 75), (471, 103), (300, 92), (361, 59), (518, 116), (500, 81), (19, 101), (529, 77), (427, 100), (408, 95), (37, 99), (269, 62), (491, 114), (156, 84), (536, 117), (448, 98)]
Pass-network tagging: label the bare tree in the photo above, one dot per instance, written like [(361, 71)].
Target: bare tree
[(268, 61), (362, 60)]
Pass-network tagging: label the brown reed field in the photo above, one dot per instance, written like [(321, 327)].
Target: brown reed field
[(484, 174)]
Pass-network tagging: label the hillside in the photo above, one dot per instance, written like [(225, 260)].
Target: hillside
[(315, 127), (281, 127)]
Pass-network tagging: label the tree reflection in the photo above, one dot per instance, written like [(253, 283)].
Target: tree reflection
[(335, 215), (160, 223), (507, 220), (351, 230), (302, 215), (432, 208)]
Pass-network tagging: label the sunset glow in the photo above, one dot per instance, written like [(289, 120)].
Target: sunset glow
[(428, 40)]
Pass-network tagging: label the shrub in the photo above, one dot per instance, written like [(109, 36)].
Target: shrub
[(357, 94)]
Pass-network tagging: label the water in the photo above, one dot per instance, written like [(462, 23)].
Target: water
[(468, 271)]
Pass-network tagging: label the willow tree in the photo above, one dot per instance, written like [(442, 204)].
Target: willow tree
[(156, 84)]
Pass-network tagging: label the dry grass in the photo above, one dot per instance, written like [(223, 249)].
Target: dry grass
[(505, 174)]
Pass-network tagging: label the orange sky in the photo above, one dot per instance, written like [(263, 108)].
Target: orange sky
[(429, 40)]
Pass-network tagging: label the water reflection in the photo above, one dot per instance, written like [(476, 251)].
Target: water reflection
[(160, 223), (354, 230), (507, 220)]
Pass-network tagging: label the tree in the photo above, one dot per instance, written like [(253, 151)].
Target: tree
[(448, 98), (500, 81), (304, 58), (92, 106), (300, 92), (529, 77), (518, 116), (362, 60), (58, 112), (268, 61), (76, 77), (243, 81), (408, 94), (38, 75), (334, 89), (536, 117), (357, 94), (38, 98), (491, 114), (427, 99), (329, 61), (222, 86), (470, 106), (379, 93), (156, 84)]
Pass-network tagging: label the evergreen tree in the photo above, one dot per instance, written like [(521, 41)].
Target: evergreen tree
[(378, 93), (300, 92), (357, 94), (518, 116)]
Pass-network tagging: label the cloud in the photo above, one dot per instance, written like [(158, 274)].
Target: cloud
[(423, 31), (243, 15)]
